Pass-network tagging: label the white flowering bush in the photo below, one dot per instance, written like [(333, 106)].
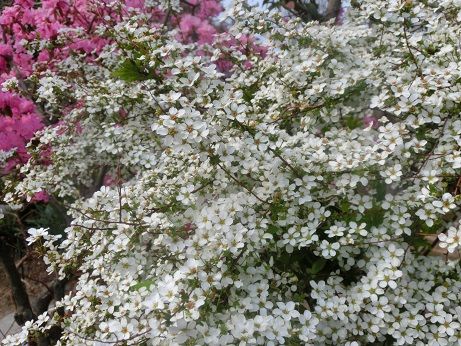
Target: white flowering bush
[(285, 201)]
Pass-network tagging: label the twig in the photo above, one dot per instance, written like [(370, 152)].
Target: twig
[(22, 260), (241, 184), (415, 61)]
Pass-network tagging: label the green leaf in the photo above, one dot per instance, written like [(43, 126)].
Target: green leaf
[(374, 216), (249, 92), (214, 160), (141, 284), (129, 72), (433, 189), (353, 122), (272, 229), (380, 189), (317, 266), (47, 216), (417, 242)]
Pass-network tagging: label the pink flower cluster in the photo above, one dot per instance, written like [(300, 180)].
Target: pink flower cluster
[(18, 117), (18, 123), (244, 44), (195, 26)]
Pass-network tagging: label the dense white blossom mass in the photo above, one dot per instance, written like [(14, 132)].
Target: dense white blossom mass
[(283, 202)]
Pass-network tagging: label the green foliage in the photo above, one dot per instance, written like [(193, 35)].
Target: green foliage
[(145, 283), (317, 266), (417, 242), (353, 122), (129, 71), (380, 187)]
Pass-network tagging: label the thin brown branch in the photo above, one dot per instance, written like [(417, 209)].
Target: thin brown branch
[(241, 184)]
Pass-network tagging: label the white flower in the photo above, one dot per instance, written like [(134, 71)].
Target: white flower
[(236, 112), (358, 229), (451, 239), (36, 234), (329, 249), (122, 328), (393, 173), (446, 204), (335, 231)]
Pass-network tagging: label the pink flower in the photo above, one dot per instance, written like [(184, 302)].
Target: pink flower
[(27, 125), (224, 65), (135, 3), (370, 120), (109, 180), (188, 24), (44, 56), (45, 156), (209, 8), (290, 5), (41, 196), (5, 50), (122, 113), (205, 33)]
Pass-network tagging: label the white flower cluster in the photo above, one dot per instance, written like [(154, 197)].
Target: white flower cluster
[(50, 89), (451, 240), (5, 155), (258, 207), (10, 84)]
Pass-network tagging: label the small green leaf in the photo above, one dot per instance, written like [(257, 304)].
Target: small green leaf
[(353, 122), (214, 160), (129, 72), (272, 229), (380, 190), (317, 266), (145, 283), (417, 242)]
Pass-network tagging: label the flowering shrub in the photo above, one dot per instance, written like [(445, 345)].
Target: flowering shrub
[(284, 202), (37, 38)]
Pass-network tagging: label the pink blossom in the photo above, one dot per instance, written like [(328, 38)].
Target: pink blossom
[(188, 24), (41, 196), (290, 5), (109, 180), (370, 120), (206, 33), (45, 156), (209, 8), (135, 3)]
